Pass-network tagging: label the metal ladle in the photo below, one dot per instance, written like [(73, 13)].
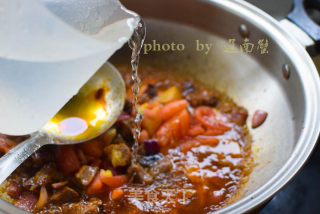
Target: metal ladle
[(103, 96)]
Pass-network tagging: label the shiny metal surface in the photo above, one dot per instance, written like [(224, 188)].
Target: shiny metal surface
[(114, 98), (16, 156), (282, 145)]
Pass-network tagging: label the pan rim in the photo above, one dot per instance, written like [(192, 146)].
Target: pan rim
[(311, 87)]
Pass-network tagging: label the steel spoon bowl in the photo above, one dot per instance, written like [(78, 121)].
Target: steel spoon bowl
[(114, 98)]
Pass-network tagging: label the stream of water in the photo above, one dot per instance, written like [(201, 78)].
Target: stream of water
[(136, 43)]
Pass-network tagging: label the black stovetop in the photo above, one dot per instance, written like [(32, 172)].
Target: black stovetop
[(302, 194)]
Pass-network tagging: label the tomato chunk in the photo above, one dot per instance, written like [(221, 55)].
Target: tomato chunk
[(195, 128), (208, 118), (151, 120), (172, 108), (174, 129), (117, 194), (96, 187), (113, 181)]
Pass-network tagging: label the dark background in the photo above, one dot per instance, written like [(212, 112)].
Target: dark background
[(302, 194)]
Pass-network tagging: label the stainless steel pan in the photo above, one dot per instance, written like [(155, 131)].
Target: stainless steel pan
[(256, 81), (282, 145)]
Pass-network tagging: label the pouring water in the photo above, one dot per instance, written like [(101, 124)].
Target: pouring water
[(88, 114)]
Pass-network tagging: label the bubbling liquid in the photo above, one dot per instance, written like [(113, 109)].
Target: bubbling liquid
[(136, 43)]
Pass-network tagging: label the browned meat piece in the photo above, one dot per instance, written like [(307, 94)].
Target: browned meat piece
[(14, 190), (27, 201), (93, 206), (67, 194), (236, 114), (118, 140), (151, 160), (199, 99), (128, 106), (188, 87), (125, 130), (46, 175), (118, 154), (42, 156), (161, 166), (139, 175), (86, 174), (150, 93), (239, 116)]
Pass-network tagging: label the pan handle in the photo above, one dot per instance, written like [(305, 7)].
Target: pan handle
[(300, 24), (300, 17)]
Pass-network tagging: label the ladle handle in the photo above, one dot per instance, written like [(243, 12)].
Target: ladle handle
[(15, 157)]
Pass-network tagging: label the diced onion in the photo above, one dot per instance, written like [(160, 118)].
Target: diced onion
[(43, 198)]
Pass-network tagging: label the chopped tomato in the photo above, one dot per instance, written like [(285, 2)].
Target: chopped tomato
[(185, 147), (184, 119), (151, 120), (96, 187), (174, 128), (113, 181), (195, 128), (172, 108), (67, 159), (165, 133), (208, 118), (207, 140), (117, 194)]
